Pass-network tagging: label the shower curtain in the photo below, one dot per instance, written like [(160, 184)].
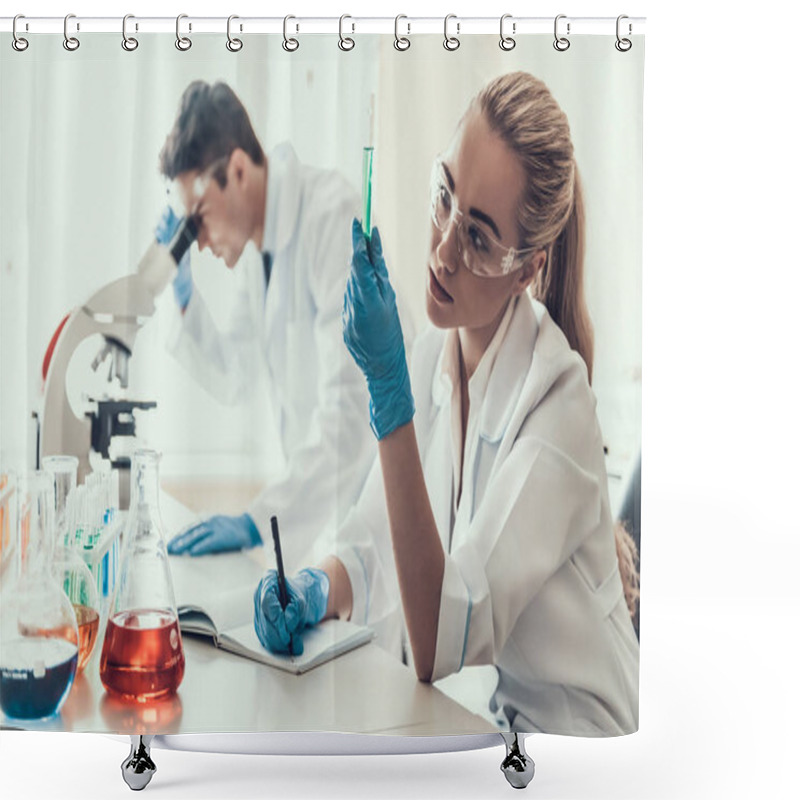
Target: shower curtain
[(488, 168)]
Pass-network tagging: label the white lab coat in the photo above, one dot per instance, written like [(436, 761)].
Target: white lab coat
[(531, 580), (318, 393)]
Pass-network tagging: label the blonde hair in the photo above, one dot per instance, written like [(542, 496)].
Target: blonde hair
[(523, 112)]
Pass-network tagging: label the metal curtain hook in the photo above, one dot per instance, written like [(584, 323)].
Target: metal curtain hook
[(623, 45), (129, 43), (181, 42), (233, 44), (401, 42), (289, 44), (451, 42), (507, 42), (70, 42), (561, 43), (19, 43), (346, 42)]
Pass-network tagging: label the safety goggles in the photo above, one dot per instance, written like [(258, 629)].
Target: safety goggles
[(202, 181), (480, 251)]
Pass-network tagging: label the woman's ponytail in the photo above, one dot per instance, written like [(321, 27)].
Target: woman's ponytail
[(560, 283), (521, 109)]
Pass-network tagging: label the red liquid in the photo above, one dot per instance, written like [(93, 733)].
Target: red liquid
[(142, 656), (88, 623)]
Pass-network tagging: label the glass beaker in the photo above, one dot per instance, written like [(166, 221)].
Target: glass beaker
[(69, 567), (142, 656), (38, 630)]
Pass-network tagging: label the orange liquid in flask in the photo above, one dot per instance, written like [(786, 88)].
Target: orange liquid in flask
[(88, 623), (142, 655)]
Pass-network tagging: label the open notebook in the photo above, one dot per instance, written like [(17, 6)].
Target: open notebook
[(214, 598)]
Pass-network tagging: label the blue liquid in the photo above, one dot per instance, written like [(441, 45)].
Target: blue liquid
[(36, 675)]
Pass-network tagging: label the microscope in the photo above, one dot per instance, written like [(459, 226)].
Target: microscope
[(117, 311)]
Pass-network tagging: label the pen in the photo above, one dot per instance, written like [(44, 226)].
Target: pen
[(283, 594)]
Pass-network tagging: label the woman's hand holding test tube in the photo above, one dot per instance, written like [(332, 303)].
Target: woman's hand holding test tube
[(373, 334)]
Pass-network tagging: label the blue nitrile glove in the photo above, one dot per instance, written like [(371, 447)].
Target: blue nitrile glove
[(374, 337), (182, 282), (308, 600), (217, 535)]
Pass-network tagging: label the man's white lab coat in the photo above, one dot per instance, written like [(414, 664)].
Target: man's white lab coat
[(319, 395), (531, 581)]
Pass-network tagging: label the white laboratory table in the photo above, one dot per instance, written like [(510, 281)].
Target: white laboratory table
[(364, 691)]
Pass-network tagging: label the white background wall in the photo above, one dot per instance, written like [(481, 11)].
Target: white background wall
[(82, 160), (720, 698), (87, 194)]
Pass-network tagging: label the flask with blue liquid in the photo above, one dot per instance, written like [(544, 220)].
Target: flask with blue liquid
[(38, 628)]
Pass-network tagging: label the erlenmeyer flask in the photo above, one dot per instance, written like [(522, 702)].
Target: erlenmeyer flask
[(38, 630), (142, 656), (69, 568)]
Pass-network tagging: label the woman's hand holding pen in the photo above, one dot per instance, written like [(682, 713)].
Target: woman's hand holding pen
[(374, 337), (280, 629)]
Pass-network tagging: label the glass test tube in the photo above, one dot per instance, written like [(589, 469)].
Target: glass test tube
[(366, 191)]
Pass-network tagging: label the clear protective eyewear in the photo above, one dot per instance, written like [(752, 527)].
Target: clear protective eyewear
[(480, 251), (199, 187), (202, 181)]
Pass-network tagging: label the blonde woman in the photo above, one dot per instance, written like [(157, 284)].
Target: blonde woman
[(493, 527)]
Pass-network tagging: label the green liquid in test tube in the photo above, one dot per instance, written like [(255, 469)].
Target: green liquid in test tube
[(366, 191)]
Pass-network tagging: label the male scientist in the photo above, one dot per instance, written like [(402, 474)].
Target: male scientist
[(288, 315)]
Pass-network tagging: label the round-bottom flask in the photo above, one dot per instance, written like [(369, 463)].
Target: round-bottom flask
[(142, 657), (38, 629), (69, 568)]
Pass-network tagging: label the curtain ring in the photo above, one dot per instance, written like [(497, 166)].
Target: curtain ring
[(507, 42), (183, 43), (623, 45), (346, 42), (129, 43), (19, 43), (71, 43), (561, 43), (451, 42), (289, 44), (401, 42), (233, 44)]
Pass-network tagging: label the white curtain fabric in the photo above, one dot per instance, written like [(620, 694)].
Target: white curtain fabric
[(81, 194)]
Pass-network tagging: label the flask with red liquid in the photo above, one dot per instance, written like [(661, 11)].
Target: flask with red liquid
[(142, 657)]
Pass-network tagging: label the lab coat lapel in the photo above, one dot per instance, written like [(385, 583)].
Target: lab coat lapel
[(288, 200), (438, 460), (527, 368), (511, 367)]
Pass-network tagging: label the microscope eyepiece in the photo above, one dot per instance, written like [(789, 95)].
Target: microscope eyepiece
[(182, 240)]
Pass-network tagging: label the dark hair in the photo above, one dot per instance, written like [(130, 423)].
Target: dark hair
[(211, 123)]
